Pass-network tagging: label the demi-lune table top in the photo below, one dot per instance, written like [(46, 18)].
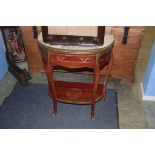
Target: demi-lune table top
[(108, 43)]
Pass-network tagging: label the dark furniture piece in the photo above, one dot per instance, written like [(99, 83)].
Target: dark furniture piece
[(15, 52)]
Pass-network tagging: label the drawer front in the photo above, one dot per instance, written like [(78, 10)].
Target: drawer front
[(70, 58)]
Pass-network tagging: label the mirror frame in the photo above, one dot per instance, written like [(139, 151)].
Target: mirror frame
[(73, 39)]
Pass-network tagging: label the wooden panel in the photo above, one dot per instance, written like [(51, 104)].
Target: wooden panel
[(125, 56), (33, 53)]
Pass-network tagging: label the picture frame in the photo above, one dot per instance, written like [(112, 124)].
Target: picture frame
[(15, 50)]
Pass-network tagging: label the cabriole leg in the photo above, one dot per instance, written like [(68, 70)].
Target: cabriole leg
[(95, 86), (49, 73), (107, 76)]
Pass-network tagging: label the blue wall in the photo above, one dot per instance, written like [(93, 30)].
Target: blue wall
[(3, 62), (149, 77)]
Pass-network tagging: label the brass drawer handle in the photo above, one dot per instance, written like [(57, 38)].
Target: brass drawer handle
[(84, 59), (60, 59)]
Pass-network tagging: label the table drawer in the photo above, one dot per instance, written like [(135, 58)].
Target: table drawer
[(54, 57)]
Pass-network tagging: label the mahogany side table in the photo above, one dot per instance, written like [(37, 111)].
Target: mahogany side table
[(95, 57)]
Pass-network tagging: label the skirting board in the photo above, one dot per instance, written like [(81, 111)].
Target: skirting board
[(147, 98)]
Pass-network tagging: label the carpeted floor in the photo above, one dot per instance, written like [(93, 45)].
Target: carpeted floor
[(31, 108)]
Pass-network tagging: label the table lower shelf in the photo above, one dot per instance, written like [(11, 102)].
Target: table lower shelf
[(76, 92)]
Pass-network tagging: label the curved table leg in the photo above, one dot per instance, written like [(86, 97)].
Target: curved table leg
[(95, 86), (49, 73), (107, 75)]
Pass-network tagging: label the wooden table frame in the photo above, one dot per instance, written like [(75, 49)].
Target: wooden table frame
[(74, 60)]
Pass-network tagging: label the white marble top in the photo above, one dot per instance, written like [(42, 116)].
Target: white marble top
[(108, 40)]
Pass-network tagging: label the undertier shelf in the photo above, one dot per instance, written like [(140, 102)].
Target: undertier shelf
[(76, 92)]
